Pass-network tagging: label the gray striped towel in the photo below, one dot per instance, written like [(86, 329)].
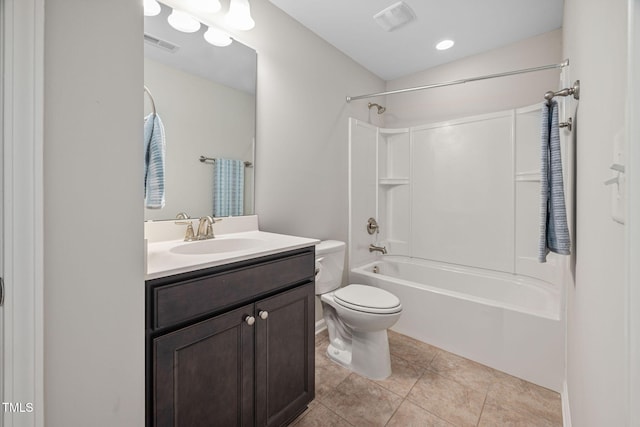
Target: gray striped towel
[(154, 153), (228, 187), (554, 230)]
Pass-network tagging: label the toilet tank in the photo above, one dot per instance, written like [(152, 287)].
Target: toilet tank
[(330, 265)]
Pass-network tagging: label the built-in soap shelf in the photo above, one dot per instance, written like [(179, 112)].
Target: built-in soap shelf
[(384, 131), (528, 176), (393, 181)]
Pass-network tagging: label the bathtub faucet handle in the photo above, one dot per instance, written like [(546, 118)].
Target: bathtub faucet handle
[(372, 226)]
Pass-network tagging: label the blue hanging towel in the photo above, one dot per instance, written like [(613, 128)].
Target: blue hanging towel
[(554, 230), (154, 154), (228, 187)]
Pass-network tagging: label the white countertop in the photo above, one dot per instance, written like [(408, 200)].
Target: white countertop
[(162, 259)]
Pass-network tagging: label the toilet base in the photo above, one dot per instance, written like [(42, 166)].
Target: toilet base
[(368, 356), (341, 357)]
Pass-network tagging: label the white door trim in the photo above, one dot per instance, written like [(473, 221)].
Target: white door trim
[(633, 215), (22, 141)]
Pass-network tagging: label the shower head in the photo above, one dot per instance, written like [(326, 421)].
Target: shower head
[(381, 109)]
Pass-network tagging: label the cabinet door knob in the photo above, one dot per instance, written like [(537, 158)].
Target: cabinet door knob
[(263, 314), (250, 320)]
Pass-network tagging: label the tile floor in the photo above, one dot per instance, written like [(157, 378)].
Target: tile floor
[(428, 387)]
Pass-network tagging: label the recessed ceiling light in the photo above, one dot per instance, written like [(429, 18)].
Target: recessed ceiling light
[(445, 44), (395, 16)]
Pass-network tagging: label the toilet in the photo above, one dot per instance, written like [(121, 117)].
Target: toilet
[(357, 316)]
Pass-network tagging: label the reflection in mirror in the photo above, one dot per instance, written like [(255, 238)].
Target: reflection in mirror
[(205, 97)]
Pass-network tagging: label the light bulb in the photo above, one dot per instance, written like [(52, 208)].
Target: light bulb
[(184, 22), (239, 15), (151, 7), (217, 37), (207, 6)]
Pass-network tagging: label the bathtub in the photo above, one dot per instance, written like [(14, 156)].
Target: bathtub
[(508, 322)]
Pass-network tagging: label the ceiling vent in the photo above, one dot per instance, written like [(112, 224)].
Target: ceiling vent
[(159, 43), (395, 16)]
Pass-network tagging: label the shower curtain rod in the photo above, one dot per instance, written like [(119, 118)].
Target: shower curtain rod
[(457, 82)]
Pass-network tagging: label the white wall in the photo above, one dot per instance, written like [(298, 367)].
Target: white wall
[(480, 97), (201, 118), (595, 41), (93, 253), (302, 126)]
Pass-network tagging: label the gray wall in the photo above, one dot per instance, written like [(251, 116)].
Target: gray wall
[(595, 39), (302, 126), (93, 234)]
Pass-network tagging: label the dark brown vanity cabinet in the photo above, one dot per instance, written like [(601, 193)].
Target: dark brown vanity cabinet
[(242, 354)]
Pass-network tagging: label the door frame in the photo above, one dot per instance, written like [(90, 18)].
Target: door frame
[(632, 250), (22, 124)]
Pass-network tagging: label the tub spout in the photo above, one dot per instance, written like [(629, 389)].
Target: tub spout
[(374, 248)]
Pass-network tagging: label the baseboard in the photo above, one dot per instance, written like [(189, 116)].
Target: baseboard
[(566, 412), (320, 326)]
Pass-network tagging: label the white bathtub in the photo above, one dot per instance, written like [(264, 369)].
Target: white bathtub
[(508, 322)]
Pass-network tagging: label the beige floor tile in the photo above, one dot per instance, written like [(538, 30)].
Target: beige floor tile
[(410, 415), (322, 336), (328, 373), (416, 352), (320, 416), (440, 389), (504, 414), (465, 371), (448, 399), (311, 405), (362, 402), (403, 376), (519, 395)]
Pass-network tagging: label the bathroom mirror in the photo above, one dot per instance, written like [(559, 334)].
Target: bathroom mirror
[(206, 98)]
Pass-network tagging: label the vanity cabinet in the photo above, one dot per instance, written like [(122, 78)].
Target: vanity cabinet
[(232, 345)]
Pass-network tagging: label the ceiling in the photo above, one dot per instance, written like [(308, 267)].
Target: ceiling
[(475, 25)]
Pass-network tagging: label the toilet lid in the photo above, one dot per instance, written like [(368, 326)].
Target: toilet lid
[(368, 299)]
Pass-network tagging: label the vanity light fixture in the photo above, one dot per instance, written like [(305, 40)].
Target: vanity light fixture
[(151, 7), (184, 22), (217, 37), (207, 6), (239, 15), (445, 44)]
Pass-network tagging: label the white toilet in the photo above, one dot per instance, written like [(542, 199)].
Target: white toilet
[(357, 316)]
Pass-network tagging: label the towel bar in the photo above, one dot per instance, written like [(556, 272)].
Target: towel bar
[(212, 159)]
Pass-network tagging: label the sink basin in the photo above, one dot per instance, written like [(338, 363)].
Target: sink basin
[(215, 246)]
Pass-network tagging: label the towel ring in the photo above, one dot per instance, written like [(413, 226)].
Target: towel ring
[(153, 104)]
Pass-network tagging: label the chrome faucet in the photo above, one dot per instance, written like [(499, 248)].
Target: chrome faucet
[(374, 248), (205, 228)]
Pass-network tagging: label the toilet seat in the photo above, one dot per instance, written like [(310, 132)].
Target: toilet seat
[(367, 299)]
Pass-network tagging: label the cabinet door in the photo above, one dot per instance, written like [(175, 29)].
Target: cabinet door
[(285, 365), (204, 374)]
